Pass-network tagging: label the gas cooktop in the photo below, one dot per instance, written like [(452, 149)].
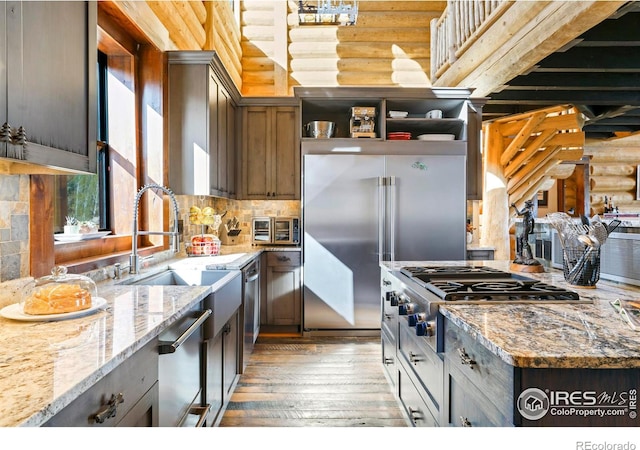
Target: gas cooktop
[(484, 284)]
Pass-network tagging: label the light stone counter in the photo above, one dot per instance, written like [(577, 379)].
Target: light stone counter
[(558, 335), (44, 366)]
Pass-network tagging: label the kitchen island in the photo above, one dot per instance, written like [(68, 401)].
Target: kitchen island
[(484, 356)]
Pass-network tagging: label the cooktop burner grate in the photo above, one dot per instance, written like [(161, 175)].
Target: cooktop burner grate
[(498, 290), (426, 272)]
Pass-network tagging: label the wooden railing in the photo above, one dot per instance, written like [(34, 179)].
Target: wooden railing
[(460, 25)]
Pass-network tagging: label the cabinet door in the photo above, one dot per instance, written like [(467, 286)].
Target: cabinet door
[(285, 154), (223, 153), (145, 412), (270, 153), (189, 120), (232, 153), (213, 375), (230, 356), (283, 295), (51, 83), (257, 128)]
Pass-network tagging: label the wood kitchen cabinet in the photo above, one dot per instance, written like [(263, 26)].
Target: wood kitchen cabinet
[(221, 348), (127, 396), (270, 152), (281, 306), (222, 359), (48, 54), (202, 116)]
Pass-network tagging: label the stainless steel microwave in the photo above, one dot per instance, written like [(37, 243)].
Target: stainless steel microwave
[(275, 230)]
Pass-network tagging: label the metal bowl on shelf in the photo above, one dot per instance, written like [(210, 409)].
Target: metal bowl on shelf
[(320, 129)]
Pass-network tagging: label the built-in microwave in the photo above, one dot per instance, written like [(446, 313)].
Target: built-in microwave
[(275, 230)]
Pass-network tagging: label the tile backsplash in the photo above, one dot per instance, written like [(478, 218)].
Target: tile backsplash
[(14, 220), (14, 227), (244, 210)]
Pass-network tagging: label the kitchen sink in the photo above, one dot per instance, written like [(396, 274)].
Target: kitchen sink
[(174, 277)]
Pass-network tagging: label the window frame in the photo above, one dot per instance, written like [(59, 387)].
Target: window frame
[(149, 72)]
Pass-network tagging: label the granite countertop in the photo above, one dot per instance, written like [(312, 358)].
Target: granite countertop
[(590, 335), (44, 366)]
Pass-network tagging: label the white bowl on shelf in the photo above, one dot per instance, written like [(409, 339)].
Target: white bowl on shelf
[(436, 137)]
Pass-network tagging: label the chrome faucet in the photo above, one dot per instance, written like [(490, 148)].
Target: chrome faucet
[(134, 259)]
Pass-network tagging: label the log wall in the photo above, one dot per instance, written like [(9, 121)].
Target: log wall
[(613, 173), (185, 25), (390, 46)]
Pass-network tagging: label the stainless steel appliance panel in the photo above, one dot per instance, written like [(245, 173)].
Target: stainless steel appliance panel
[(341, 227), (179, 368), (251, 296), (361, 209), (427, 204)]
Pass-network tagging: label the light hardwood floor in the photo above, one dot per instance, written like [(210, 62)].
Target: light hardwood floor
[(313, 382)]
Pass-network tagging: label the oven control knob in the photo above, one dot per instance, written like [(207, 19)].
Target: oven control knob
[(415, 319), (405, 308), (425, 328), (392, 297)]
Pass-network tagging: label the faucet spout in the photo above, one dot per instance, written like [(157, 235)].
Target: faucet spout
[(134, 258)]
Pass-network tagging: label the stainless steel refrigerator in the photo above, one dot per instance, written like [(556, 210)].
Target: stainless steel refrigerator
[(361, 209)]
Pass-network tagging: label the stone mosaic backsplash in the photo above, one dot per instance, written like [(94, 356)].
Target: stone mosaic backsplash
[(244, 210), (14, 227)]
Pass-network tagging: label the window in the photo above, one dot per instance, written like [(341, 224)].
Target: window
[(85, 197)]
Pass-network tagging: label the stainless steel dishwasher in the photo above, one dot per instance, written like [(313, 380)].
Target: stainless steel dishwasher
[(251, 304), (179, 371)]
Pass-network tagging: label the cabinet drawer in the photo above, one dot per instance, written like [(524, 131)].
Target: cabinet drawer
[(415, 408), (487, 371), (283, 259), (467, 406), (389, 361), (416, 356), (133, 378), (390, 318)]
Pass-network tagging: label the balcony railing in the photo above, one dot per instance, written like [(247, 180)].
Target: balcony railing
[(461, 24)]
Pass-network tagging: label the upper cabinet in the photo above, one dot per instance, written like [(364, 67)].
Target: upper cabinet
[(201, 117), (395, 120), (48, 53), (270, 150)]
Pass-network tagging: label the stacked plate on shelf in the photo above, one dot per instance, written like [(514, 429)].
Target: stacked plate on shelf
[(436, 137), (399, 136), (398, 114)]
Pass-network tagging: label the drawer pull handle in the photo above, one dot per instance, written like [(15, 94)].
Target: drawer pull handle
[(388, 316), (388, 361), (283, 258), (415, 415), (465, 359), (165, 347), (414, 358), (110, 408), (464, 422), (386, 283)]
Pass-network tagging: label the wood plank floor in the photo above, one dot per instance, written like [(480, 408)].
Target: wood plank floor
[(313, 382)]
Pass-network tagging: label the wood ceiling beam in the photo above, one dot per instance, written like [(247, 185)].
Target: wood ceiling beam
[(544, 97), (530, 39), (592, 58)]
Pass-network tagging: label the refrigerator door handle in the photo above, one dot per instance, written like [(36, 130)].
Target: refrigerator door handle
[(391, 219), (381, 217)]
